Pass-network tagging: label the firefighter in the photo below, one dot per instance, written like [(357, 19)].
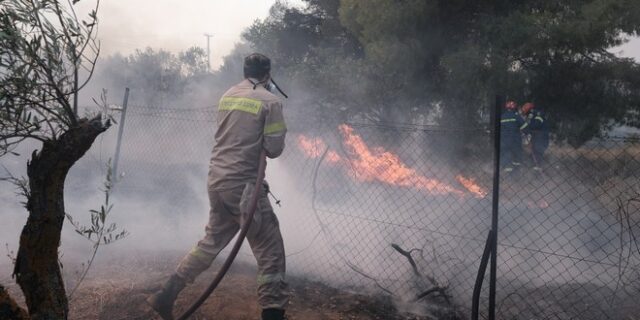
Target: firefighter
[(539, 130), (249, 120), (511, 126)]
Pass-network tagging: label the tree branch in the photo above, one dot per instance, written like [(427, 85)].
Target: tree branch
[(47, 69), (22, 136), (364, 274), (430, 291), (413, 264), (93, 67), (90, 31), (42, 105)]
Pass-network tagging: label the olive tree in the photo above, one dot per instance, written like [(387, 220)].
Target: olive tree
[(47, 54)]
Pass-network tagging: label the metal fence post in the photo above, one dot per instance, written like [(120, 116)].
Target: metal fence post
[(491, 245), (495, 204), (120, 131)]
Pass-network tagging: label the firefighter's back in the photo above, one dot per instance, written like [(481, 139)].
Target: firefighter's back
[(241, 118)]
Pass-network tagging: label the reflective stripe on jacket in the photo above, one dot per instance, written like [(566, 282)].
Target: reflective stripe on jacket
[(539, 129), (249, 120), (511, 123)]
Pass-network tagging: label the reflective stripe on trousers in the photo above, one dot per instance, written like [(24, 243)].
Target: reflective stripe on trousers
[(264, 238)]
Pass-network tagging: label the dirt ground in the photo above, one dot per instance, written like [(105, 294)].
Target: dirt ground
[(117, 291)]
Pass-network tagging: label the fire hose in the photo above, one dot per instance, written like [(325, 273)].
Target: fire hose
[(236, 246)]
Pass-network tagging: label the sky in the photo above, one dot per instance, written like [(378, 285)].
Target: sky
[(176, 25), (126, 25), (630, 49)]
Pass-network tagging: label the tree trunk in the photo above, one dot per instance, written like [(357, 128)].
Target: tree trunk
[(9, 309), (37, 268)]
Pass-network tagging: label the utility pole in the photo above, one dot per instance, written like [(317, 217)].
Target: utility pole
[(208, 35)]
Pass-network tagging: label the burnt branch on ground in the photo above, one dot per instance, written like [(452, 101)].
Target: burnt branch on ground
[(435, 286)]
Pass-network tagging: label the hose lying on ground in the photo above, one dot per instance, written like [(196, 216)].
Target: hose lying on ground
[(236, 246)]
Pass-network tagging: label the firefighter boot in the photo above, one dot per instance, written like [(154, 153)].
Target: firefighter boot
[(273, 314), (162, 301)]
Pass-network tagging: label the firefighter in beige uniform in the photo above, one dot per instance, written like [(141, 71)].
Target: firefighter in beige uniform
[(249, 120)]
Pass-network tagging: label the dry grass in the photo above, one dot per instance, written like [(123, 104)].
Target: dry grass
[(117, 291)]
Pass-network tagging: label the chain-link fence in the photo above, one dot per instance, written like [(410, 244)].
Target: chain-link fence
[(568, 235), (404, 212)]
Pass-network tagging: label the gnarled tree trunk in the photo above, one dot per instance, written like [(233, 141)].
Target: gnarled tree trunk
[(9, 309), (37, 269)]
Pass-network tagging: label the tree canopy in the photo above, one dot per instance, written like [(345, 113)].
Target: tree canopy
[(155, 75), (43, 48), (399, 61)]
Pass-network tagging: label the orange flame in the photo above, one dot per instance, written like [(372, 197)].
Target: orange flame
[(380, 165), (333, 157), (313, 148), (472, 187)]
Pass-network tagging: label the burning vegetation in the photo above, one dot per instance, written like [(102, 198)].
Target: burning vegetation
[(367, 164), (570, 232)]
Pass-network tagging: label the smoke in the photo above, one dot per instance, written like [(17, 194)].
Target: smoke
[(337, 229)]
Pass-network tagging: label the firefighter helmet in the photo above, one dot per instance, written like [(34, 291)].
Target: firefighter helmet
[(527, 107), (256, 65)]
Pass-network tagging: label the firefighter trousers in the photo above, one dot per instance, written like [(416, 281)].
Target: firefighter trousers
[(264, 238)]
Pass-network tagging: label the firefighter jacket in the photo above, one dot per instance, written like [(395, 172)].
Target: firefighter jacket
[(249, 120), (539, 130), (511, 124)]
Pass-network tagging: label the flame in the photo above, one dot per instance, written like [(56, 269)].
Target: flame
[(383, 166), (380, 165), (333, 157), (472, 187), (313, 148)]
